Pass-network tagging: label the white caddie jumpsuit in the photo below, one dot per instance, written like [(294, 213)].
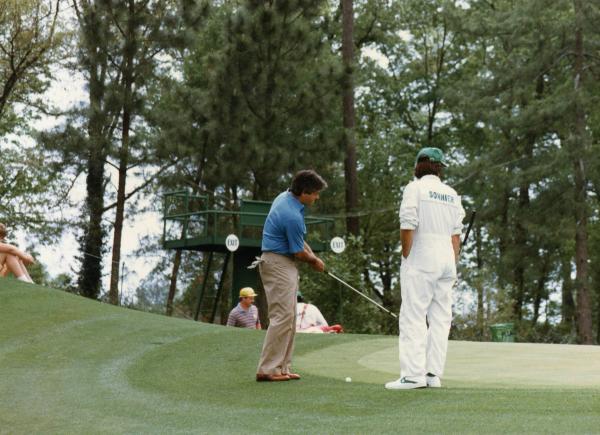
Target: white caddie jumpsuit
[(434, 211)]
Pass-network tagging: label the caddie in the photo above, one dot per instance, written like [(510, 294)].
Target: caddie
[(431, 218)]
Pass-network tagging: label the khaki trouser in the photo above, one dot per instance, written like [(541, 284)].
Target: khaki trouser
[(279, 275)]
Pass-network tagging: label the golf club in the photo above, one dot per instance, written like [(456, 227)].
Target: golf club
[(360, 293), (464, 242), (471, 220)]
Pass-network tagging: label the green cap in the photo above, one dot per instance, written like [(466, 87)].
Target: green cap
[(435, 155)]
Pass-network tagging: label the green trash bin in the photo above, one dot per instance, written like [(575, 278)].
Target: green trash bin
[(503, 332)]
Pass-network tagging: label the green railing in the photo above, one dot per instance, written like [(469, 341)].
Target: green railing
[(184, 227)]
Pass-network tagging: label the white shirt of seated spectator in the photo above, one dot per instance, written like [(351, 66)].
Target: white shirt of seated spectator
[(308, 316)]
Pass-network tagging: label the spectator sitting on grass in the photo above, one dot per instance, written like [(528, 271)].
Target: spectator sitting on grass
[(245, 315), (13, 260), (310, 319)]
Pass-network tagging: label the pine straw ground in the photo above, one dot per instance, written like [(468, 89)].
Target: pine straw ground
[(71, 365)]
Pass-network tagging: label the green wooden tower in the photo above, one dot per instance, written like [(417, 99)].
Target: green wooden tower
[(189, 223)]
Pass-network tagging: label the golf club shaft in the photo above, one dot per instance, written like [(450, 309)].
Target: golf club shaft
[(464, 242), (471, 220), (361, 293)]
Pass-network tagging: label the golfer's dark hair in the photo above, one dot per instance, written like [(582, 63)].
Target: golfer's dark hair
[(3, 231), (426, 167), (307, 181)]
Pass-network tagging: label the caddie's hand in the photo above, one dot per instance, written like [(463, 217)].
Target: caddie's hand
[(27, 260), (318, 265)]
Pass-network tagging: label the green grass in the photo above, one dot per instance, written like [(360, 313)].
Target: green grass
[(70, 365)]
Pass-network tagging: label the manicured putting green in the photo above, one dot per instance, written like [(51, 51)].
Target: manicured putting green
[(71, 365), (469, 364)]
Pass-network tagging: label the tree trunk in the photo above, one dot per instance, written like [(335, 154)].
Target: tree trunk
[(90, 274), (519, 296), (584, 312), (350, 162), (479, 285), (178, 253), (567, 306), (504, 240), (91, 262), (598, 316), (128, 54), (113, 293), (521, 241), (523, 211), (173, 283), (539, 292)]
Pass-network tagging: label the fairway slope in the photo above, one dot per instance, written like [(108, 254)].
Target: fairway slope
[(72, 365)]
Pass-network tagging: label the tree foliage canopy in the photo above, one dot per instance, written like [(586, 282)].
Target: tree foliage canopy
[(230, 98)]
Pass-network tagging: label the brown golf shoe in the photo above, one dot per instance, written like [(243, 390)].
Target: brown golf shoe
[(293, 376), (263, 377)]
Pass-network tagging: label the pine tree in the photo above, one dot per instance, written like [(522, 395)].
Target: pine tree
[(93, 19), (29, 43), (349, 136), (272, 94), (144, 31)]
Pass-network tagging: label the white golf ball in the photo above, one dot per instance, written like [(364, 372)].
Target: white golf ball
[(348, 379)]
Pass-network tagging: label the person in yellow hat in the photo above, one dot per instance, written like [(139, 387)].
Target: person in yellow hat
[(245, 314)]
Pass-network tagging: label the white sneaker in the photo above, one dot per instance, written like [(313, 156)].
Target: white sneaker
[(405, 384), (434, 382)]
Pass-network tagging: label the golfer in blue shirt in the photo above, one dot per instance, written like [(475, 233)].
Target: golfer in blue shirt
[(282, 244)]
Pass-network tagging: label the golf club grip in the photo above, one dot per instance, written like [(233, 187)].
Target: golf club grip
[(471, 220)]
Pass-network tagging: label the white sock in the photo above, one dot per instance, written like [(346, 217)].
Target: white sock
[(25, 278)]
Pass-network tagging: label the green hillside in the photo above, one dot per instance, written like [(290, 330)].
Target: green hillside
[(72, 365)]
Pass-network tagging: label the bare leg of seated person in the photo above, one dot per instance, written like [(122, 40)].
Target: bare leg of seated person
[(3, 268), (18, 269), (24, 268)]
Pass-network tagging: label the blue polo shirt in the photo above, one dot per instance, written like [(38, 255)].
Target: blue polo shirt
[(284, 228)]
